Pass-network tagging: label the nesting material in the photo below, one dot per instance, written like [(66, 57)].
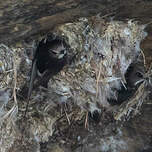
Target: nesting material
[(42, 128), (8, 131), (99, 56), (7, 135), (8, 107), (102, 59), (132, 106), (4, 98), (6, 66)]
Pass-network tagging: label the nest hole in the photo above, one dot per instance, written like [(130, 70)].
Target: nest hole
[(133, 74), (95, 115), (51, 57), (51, 54)]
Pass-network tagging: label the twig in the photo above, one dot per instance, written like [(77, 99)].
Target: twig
[(67, 117), (86, 120), (106, 15), (126, 107), (98, 78), (15, 81), (144, 58)]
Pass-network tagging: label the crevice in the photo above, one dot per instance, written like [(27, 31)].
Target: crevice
[(133, 74)]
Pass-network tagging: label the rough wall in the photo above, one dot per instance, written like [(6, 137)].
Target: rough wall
[(24, 18)]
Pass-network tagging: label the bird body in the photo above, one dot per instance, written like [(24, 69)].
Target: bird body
[(48, 60)]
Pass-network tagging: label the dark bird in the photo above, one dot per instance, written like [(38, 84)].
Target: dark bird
[(133, 77), (49, 59)]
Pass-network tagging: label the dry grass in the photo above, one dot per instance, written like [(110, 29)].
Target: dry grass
[(14, 110), (132, 106)]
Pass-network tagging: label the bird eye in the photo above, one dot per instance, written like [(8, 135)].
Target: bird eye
[(63, 51), (139, 74)]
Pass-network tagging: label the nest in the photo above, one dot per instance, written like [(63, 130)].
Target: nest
[(99, 55)]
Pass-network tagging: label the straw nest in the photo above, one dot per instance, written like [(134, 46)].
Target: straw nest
[(99, 56)]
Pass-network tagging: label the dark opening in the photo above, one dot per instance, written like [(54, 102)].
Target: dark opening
[(50, 57), (51, 54), (96, 115), (133, 75)]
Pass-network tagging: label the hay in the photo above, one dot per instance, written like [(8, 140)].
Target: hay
[(98, 60)]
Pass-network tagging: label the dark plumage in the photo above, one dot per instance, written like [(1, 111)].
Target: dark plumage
[(133, 75), (49, 59), (50, 55)]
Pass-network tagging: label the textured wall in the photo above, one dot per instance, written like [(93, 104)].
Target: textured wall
[(21, 19)]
